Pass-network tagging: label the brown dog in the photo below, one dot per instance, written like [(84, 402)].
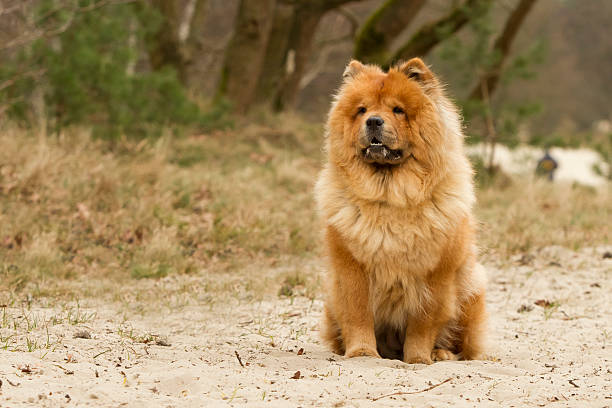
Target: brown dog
[(396, 196)]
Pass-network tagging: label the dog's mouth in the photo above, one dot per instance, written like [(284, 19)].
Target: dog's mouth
[(379, 154)]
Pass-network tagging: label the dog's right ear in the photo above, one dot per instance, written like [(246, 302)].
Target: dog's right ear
[(416, 70), (352, 69)]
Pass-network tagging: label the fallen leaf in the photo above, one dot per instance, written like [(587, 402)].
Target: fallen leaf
[(300, 352), (25, 369)]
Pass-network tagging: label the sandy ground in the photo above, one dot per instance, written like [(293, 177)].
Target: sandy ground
[(553, 353)]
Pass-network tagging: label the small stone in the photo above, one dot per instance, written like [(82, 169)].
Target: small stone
[(162, 342), (82, 334)]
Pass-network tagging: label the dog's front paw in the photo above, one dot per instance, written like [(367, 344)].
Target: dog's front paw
[(424, 359), (362, 352), (442, 355)]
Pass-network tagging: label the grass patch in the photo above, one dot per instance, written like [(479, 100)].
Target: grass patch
[(150, 271)]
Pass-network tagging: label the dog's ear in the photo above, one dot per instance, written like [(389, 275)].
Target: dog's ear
[(352, 69), (416, 70)]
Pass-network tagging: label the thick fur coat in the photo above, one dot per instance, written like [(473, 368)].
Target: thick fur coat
[(396, 197)]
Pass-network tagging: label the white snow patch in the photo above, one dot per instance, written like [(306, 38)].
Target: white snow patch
[(575, 165)]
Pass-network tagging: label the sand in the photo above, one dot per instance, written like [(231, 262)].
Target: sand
[(553, 353)]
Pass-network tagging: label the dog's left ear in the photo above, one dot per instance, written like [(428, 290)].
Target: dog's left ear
[(416, 70), (352, 69)]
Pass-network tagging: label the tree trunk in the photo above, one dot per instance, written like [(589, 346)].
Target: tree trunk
[(435, 32), (210, 32), (244, 55), (305, 23), (194, 38), (276, 50), (306, 18), (491, 132), (490, 78), (382, 27), (166, 47)]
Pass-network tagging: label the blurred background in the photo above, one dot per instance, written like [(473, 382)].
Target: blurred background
[(165, 137)]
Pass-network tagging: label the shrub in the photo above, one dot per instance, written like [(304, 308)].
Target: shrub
[(94, 73)]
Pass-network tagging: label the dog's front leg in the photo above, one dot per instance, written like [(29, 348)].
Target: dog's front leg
[(423, 330), (349, 300), (420, 339)]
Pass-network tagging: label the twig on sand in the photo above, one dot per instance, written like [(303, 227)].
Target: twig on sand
[(413, 392), (66, 371), (12, 383), (102, 352), (238, 357)]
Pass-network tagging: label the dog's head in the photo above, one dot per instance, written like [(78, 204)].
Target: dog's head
[(391, 127)]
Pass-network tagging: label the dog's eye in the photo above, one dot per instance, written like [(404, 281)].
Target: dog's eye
[(361, 110), (398, 110)]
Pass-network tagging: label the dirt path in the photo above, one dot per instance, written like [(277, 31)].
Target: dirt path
[(556, 352)]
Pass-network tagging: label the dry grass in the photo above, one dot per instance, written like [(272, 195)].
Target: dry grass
[(528, 215), (81, 216), (78, 209)]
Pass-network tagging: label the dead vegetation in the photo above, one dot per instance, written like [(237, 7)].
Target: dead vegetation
[(81, 215)]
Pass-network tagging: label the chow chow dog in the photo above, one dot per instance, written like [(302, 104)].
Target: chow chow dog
[(396, 197)]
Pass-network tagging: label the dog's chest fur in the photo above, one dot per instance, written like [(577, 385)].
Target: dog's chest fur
[(397, 246)]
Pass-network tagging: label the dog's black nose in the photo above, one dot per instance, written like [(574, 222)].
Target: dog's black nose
[(374, 122)]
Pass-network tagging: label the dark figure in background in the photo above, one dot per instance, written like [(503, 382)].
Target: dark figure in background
[(547, 166)]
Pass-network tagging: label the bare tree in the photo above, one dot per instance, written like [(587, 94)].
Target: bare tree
[(176, 42), (33, 28), (166, 47), (306, 18), (489, 79), (325, 48), (382, 27), (244, 56), (487, 83), (431, 34), (273, 68)]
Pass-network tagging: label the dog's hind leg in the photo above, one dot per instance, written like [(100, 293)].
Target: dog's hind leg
[(330, 332), (472, 326)]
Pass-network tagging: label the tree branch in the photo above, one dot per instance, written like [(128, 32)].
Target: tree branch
[(382, 27), (326, 47), (502, 48), (435, 32), (36, 32), (36, 73)]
